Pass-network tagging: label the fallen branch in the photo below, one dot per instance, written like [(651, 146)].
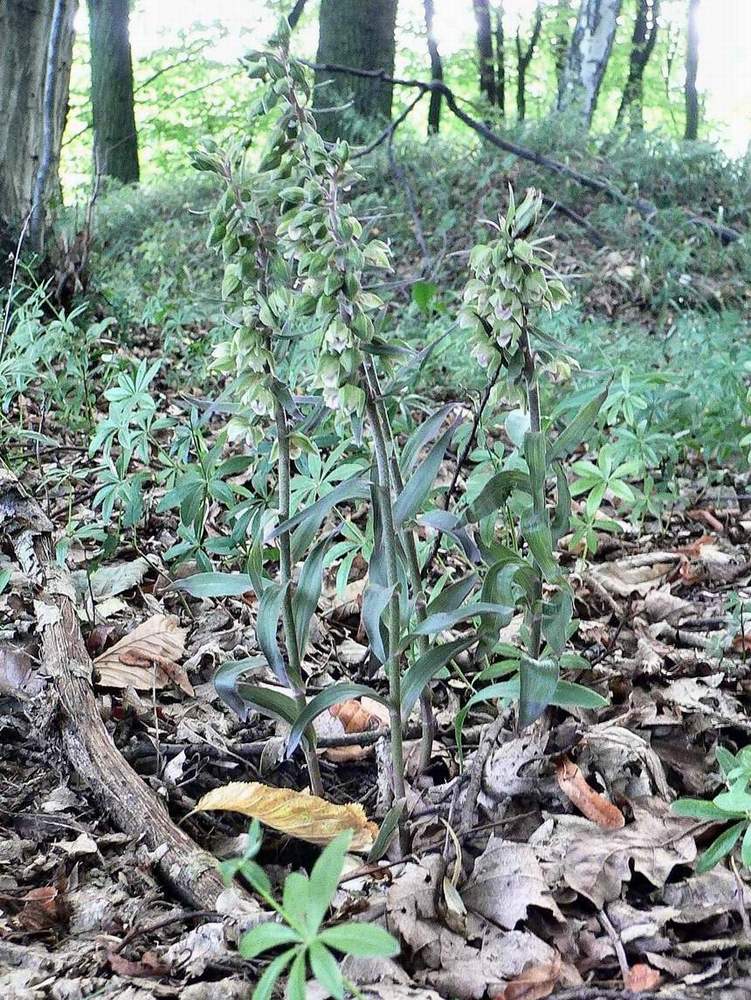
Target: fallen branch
[(188, 870), (643, 206)]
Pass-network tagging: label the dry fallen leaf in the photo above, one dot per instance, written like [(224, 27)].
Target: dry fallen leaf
[(146, 657), (635, 574), (306, 817), (594, 806), (534, 983), (642, 978)]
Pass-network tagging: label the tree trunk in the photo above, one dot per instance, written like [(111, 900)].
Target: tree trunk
[(115, 136), (35, 57), (561, 40), (642, 45), (484, 35), (588, 55), (436, 69), (296, 13), (359, 33), (523, 59), (500, 59), (692, 66)]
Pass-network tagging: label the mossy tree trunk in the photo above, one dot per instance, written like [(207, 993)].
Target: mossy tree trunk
[(484, 37), (115, 136), (436, 69), (587, 57), (36, 44), (642, 45), (361, 34), (523, 59)]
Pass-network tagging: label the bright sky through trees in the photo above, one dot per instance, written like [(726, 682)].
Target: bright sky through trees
[(724, 64)]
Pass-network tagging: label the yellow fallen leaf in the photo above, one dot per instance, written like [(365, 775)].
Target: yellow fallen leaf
[(146, 657), (297, 814)]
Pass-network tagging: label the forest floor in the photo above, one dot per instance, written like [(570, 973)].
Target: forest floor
[(555, 901)]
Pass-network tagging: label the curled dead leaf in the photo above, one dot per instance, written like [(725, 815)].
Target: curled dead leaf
[(590, 803), (297, 814), (360, 716), (642, 978), (534, 983), (146, 657)]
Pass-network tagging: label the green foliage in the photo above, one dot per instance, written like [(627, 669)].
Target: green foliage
[(309, 947), (731, 806)]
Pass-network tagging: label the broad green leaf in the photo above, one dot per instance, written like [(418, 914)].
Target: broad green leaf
[(424, 669), (265, 988), (574, 433), (267, 622), (725, 759), (698, 809), (325, 699), (443, 620), (495, 493), (386, 831), (263, 937), (720, 847), (426, 432), (361, 940), (326, 969), (226, 678), (215, 584), (538, 680), (737, 799), (351, 489), (746, 848), (324, 878), (420, 483), (422, 293)]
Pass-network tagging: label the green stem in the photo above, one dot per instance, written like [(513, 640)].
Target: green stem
[(415, 574), (533, 403), (285, 577), (385, 499)]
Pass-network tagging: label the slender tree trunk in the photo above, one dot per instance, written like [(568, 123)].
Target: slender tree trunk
[(115, 136), (561, 40), (642, 45), (523, 59), (36, 44), (436, 69), (588, 55), (692, 66), (359, 33), (484, 35), (500, 59)]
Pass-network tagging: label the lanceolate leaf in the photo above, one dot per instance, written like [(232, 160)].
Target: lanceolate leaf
[(556, 618), (536, 531), (215, 584), (325, 699), (424, 669), (495, 493), (269, 701), (421, 481), (374, 601), (387, 831), (574, 433), (570, 695), (269, 610), (562, 517), (443, 620), (351, 489), (421, 436), (308, 593), (452, 595), (538, 680), (226, 678), (534, 454), (450, 524)]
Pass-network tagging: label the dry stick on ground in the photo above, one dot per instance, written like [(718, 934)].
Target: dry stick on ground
[(643, 206), (69, 703)]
